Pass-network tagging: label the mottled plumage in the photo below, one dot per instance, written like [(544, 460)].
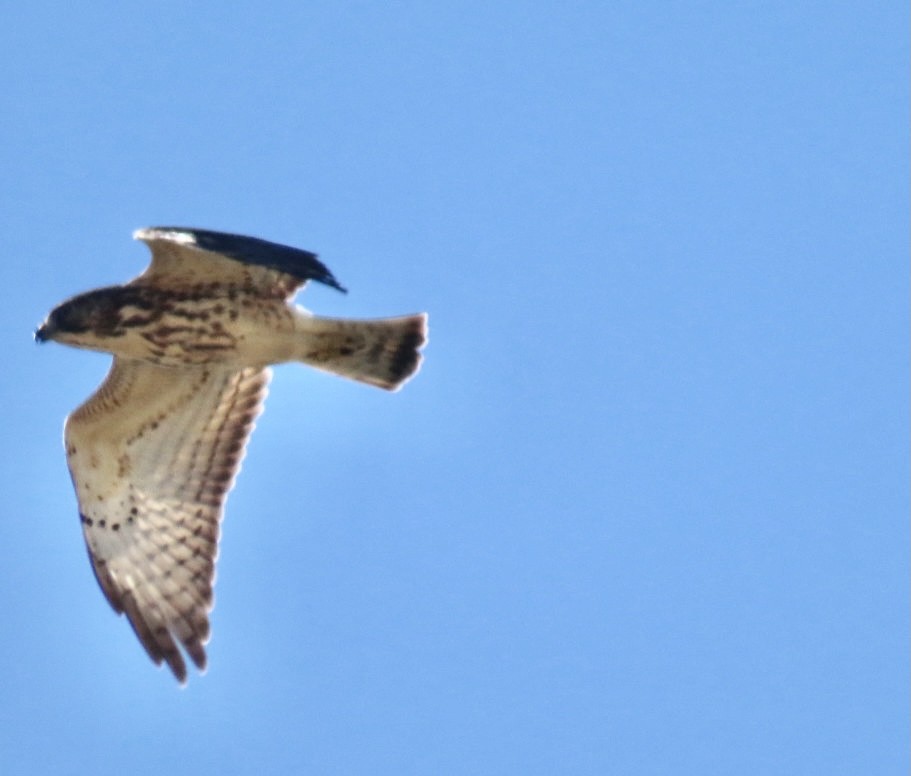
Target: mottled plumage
[(154, 452)]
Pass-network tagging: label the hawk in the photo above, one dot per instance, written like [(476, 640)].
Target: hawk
[(155, 450)]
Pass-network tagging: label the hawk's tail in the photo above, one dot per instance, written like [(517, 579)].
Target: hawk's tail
[(381, 352)]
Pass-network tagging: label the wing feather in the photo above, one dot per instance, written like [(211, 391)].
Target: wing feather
[(153, 454), (183, 256)]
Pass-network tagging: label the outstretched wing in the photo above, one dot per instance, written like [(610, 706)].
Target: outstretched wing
[(182, 256), (152, 454)]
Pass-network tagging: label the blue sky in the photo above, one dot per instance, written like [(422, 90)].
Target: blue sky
[(644, 511)]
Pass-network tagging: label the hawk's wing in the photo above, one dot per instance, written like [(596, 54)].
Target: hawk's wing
[(182, 256), (152, 455)]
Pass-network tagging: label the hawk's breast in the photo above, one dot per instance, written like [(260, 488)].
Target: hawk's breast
[(193, 329)]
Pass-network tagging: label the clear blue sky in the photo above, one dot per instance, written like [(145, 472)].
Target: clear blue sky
[(644, 511)]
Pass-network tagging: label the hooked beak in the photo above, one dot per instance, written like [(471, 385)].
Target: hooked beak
[(43, 333)]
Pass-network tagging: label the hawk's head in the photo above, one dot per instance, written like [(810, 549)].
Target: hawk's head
[(85, 320)]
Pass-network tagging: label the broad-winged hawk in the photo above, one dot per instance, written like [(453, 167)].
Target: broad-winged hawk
[(154, 452)]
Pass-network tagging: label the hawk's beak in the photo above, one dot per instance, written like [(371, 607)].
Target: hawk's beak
[(43, 333)]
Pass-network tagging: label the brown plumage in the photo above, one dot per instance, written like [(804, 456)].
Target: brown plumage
[(154, 452)]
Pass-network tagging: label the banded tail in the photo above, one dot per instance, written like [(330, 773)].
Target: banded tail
[(383, 352)]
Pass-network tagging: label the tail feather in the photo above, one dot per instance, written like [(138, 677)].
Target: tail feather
[(382, 352)]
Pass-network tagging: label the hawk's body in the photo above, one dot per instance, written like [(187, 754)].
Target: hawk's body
[(155, 450)]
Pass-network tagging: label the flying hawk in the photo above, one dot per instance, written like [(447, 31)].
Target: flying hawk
[(155, 450)]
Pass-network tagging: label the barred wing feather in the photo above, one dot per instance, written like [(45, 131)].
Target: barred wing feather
[(153, 454)]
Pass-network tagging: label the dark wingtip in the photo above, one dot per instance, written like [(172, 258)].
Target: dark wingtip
[(329, 280), (296, 262)]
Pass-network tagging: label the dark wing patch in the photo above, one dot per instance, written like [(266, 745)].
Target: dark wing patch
[(176, 249)]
